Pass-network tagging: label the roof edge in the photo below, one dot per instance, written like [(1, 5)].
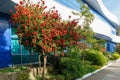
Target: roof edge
[(102, 10)]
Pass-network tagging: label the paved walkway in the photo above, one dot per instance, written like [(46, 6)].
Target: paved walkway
[(110, 73)]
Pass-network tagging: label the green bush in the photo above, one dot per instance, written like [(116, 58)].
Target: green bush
[(74, 52), (115, 53), (115, 56), (59, 77), (94, 56), (118, 48), (72, 68), (14, 69), (91, 68), (108, 55), (38, 77)]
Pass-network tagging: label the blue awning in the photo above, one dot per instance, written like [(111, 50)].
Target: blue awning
[(102, 36)]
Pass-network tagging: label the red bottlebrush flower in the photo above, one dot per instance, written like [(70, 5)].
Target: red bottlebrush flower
[(21, 2), (60, 33), (29, 16), (56, 55), (65, 31), (23, 25), (63, 54), (43, 2), (35, 22), (42, 31), (38, 5), (40, 16), (36, 27), (55, 15), (26, 4), (74, 23), (45, 7), (48, 50), (71, 32), (53, 49)]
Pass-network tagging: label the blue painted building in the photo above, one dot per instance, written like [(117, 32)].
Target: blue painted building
[(11, 52), (5, 40)]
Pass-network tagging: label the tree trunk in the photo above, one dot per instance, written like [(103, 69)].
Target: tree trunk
[(39, 61), (44, 65), (39, 69), (31, 58)]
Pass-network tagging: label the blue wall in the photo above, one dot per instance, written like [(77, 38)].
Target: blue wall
[(5, 41), (111, 46)]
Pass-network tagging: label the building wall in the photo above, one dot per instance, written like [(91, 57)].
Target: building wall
[(104, 28), (5, 41)]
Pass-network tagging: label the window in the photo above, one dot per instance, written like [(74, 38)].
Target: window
[(113, 32), (20, 55), (108, 47)]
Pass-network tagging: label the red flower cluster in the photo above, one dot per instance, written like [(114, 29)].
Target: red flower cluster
[(42, 29)]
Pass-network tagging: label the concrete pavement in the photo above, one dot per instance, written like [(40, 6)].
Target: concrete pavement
[(110, 73)]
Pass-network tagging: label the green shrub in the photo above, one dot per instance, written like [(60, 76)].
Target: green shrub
[(90, 68), (94, 56), (115, 56), (115, 53), (118, 48), (60, 77), (14, 69), (72, 68), (38, 77), (74, 52), (108, 55)]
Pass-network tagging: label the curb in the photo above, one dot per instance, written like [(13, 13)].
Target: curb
[(118, 60), (89, 74)]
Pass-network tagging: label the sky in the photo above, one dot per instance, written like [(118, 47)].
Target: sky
[(113, 6)]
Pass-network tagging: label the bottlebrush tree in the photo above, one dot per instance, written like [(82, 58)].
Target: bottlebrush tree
[(43, 30)]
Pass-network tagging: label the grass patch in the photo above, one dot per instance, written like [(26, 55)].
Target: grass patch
[(14, 69)]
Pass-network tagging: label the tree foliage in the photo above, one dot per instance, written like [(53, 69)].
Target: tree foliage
[(86, 31), (42, 29), (118, 31)]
